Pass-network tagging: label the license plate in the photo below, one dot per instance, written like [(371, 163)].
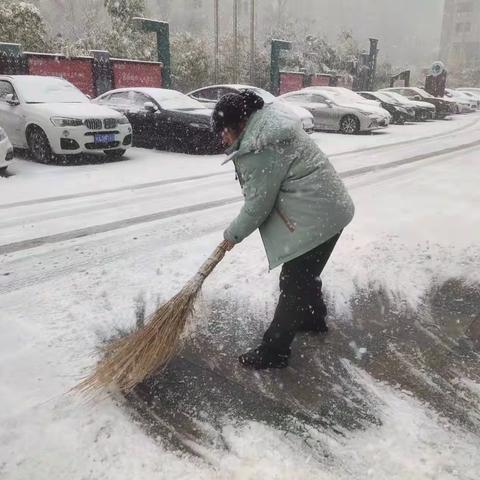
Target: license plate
[(104, 137)]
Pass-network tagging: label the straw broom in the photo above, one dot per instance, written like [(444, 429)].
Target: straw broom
[(132, 359)]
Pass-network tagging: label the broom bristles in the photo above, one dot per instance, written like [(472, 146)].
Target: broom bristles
[(130, 360)]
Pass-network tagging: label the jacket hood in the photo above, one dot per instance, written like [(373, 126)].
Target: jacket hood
[(268, 127)]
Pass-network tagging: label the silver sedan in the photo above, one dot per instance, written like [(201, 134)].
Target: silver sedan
[(338, 112)]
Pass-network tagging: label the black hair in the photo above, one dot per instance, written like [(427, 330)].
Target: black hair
[(233, 108)]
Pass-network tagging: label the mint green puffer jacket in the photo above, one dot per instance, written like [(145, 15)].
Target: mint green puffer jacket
[(292, 192)]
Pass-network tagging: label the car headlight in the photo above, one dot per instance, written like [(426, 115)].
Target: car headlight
[(66, 122), (3, 135), (123, 120)]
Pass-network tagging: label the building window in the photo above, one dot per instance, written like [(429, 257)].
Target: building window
[(465, 7), (463, 27)]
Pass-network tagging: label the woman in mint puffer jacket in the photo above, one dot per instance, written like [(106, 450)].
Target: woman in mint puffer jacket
[(294, 196)]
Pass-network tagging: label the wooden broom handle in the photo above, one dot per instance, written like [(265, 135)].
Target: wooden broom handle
[(215, 258)]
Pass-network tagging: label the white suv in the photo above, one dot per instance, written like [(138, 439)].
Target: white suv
[(51, 117), (6, 151)]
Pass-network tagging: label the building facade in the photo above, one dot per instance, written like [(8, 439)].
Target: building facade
[(460, 41)]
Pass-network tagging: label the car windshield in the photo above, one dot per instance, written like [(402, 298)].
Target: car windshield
[(340, 92), (396, 96), (49, 90), (171, 100), (423, 93), (297, 98), (385, 98), (342, 96)]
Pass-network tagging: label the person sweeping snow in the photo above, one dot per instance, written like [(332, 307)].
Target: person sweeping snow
[(294, 196), (296, 199)]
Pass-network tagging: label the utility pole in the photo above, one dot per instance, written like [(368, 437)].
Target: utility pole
[(252, 42), (235, 41), (216, 28)]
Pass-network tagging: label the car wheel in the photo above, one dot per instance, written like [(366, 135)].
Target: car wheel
[(3, 171), (115, 153), (423, 116), (40, 146), (400, 120), (350, 125)]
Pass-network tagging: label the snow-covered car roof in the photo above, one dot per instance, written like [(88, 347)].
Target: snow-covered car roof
[(166, 92), (236, 86), (161, 95), (46, 89), (266, 95)]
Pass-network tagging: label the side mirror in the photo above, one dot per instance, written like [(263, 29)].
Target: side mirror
[(417, 97), (149, 107), (11, 100), (329, 103)]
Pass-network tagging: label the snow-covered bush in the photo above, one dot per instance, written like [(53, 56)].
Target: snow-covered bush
[(21, 22)]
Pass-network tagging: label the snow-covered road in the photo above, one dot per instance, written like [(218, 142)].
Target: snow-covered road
[(101, 236)]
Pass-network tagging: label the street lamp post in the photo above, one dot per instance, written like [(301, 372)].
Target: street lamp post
[(216, 28), (252, 42), (235, 41)]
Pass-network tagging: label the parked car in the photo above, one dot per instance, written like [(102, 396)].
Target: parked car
[(423, 110), (474, 90), (444, 107), (336, 112), (6, 151), (464, 104), (209, 96), (51, 117), (165, 119), (400, 113), (347, 93), (473, 95)]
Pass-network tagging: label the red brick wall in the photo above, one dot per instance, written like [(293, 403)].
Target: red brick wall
[(136, 74), (78, 71), (291, 81)]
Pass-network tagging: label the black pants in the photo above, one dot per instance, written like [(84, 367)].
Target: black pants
[(301, 302)]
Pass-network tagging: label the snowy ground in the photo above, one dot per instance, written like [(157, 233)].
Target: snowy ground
[(79, 244)]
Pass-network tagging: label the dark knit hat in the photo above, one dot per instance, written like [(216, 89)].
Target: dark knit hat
[(233, 108)]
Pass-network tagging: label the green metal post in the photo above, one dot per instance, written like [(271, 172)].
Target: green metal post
[(162, 29), (372, 63), (277, 47), (12, 59)]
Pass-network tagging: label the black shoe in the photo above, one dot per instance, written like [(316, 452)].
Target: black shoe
[(313, 327), (262, 357)]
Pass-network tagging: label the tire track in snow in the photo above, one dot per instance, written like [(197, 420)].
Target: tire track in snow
[(194, 230), (33, 269), (119, 224), (94, 193)]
